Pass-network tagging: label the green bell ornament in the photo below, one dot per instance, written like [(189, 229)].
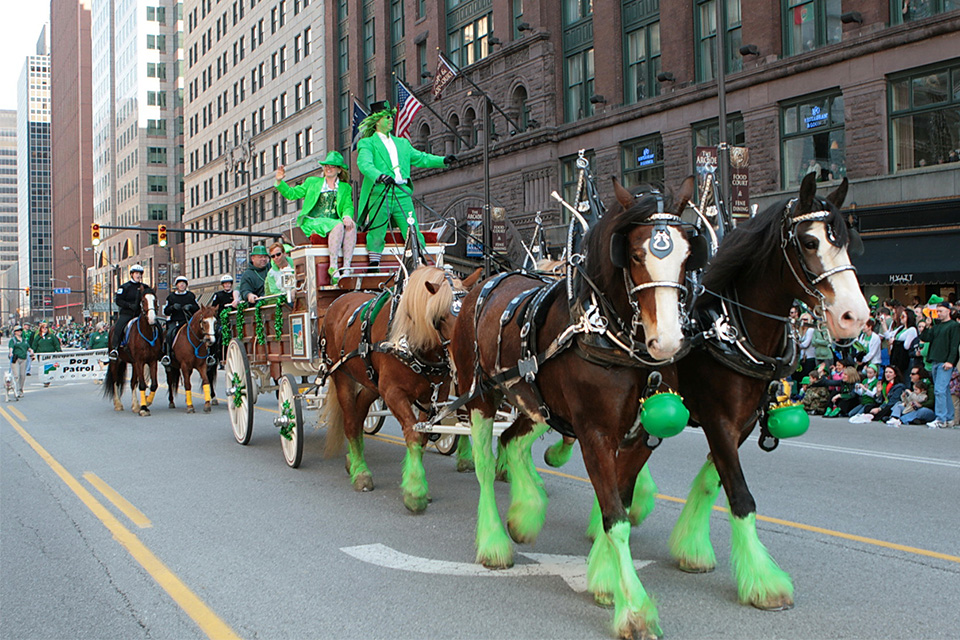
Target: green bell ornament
[(663, 414), (787, 420)]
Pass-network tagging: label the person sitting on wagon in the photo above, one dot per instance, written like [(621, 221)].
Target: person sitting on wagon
[(251, 282), (273, 284), (385, 161), (327, 208), (180, 307)]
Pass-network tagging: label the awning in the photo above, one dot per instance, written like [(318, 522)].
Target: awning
[(918, 258)]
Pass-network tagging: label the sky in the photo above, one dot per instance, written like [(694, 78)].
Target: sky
[(24, 19)]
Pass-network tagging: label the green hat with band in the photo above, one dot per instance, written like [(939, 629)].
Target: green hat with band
[(259, 250), (334, 159), (935, 299)]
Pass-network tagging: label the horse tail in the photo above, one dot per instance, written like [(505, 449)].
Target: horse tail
[(114, 378), (173, 380), (332, 416)]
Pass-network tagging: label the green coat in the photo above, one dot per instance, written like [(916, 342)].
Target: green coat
[(99, 340), (373, 159), (313, 218), (46, 344), (252, 281), (21, 348)]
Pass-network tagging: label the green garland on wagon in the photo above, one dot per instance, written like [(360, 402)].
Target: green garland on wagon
[(261, 337), (237, 385), (241, 307), (278, 320), (224, 325), (287, 429)]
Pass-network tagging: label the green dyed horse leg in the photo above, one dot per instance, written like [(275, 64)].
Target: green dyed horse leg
[(414, 482), (644, 497), (464, 454), (558, 454), (528, 499), (634, 612), (602, 571), (360, 475), (760, 581), (494, 549), (690, 538), (501, 463)]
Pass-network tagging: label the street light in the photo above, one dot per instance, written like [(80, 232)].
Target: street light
[(238, 160)]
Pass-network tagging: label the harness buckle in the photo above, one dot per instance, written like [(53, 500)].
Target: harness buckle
[(527, 368), (363, 349), (525, 330)]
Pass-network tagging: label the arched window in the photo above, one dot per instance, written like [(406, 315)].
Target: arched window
[(455, 125), (469, 123), (423, 138), (519, 102)]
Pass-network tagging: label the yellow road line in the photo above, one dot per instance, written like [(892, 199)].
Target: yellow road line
[(135, 515), (17, 413), (211, 625), (799, 525)]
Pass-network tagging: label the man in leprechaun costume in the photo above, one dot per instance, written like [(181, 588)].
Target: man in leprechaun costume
[(385, 161)]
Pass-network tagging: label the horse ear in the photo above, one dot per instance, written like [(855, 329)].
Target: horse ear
[(432, 287), (687, 188), (624, 197), (808, 191), (839, 194), (472, 279)]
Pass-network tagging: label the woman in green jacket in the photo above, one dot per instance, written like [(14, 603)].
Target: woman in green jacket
[(327, 208), (99, 339), (45, 342)]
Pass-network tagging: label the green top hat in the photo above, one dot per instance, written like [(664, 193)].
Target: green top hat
[(335, 159), (935, 299), (378, 111), (259, 250), (874, 299)]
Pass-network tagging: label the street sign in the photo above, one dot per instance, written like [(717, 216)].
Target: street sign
[(62, 291)]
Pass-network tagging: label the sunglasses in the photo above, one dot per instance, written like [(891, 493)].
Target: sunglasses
[(275, 255)]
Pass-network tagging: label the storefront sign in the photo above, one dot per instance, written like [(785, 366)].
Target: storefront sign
[(901, 278), (816, 118)]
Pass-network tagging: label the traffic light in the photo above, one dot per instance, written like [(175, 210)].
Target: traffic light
[(94, 234), (96, 288), (26, 290), (162, 235)]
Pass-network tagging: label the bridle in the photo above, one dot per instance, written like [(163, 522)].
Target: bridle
[(789, 237)]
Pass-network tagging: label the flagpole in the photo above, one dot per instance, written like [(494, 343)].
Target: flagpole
[(430, 109), (487, 217)]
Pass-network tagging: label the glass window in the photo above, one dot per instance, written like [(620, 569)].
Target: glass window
[(925, 118), (157, 184), (580, 76), (642, 64), (642, 161), (707, 38), (469, 25), (812, 139), (810, 24), (707, 134)]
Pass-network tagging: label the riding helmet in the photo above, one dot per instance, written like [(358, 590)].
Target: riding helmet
[(136, 267), (226, 278)]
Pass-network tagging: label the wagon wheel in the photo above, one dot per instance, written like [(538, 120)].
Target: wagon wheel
[(373, 424), (239, 388), (447, 443), (290, 421)]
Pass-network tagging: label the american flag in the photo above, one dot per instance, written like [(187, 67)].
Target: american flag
[(407, 108), (358, 115)]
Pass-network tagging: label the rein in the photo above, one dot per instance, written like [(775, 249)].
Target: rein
[(196, 348), (156, 333)]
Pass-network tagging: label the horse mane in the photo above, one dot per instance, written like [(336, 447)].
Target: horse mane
[(419, 311), (597, 241), (753, 247)]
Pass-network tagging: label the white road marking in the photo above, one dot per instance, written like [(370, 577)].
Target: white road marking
[(572, 569)]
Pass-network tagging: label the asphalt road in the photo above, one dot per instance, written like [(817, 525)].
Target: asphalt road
[(222, 539)]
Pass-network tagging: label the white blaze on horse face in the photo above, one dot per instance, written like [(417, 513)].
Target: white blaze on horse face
[(208, 330), (151, 308), (846, 310), (662, 329)]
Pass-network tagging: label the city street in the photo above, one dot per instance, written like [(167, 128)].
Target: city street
[(116, 526)]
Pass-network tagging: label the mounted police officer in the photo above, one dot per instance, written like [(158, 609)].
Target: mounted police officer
[(226, 297), (180, 307), (127, 299)]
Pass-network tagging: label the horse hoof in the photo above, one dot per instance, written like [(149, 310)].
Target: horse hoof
[(603, 599), (215, 402), (520, 537), (118, 409), (415, 504), (144, 412), (171, 406), (689, 567), (774, 603), (463, 466), (206, 408), (363, 483), (191, 410)]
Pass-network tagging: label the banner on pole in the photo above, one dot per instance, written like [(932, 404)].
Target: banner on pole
[(444, 76), (498, 229), (71, 366), (475, 229)]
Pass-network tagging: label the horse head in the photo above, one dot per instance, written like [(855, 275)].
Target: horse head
[(429, 307), (821, 262), (207, 317), (649, 247), (148, 307)]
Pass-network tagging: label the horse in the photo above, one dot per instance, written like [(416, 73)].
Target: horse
[(193, 349), (568, 377), (398, 355), (143, 349)]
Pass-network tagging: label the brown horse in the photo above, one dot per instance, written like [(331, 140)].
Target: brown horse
[(589, 361), (403, 361), (193, 349), (143, 349)]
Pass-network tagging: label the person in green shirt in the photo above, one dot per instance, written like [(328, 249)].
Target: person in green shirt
[(327, 208), (99, 338), (273, 283), (28, 334), (19, 357), (45, 342)]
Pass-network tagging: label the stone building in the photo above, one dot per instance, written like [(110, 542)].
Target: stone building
[(865, 89)]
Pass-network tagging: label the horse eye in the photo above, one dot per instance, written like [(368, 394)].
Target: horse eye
[(636, 258), (811, 244)]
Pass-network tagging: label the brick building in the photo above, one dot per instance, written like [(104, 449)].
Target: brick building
[(869, 89)]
